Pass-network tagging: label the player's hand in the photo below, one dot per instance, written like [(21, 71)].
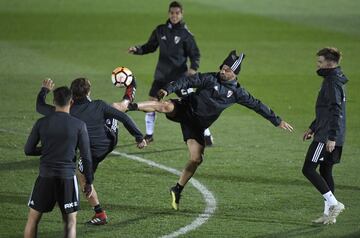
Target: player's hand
[(49, 84), (132, 49), (88, 190), (308, 134), (161, 94), (330, 145), (190, 72), (142, 144), (286, 126)]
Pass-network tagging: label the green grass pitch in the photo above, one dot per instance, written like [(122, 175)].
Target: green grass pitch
[(254, 169)]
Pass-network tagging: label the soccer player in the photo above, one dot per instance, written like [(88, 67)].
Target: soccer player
[(176, 44), (59, 134), (214, 93), (328, 131), (97, 116)]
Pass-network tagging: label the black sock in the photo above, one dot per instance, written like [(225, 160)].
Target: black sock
[(98, 209), (179, 188), (133, 106)]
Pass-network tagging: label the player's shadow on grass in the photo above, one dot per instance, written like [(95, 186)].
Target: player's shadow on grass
[(268, 180), (19, 165), (141, 213), (305, 232), (147, 151), (298, 232), (151, 210)]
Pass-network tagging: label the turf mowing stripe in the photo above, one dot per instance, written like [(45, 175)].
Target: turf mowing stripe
[(207, 195)]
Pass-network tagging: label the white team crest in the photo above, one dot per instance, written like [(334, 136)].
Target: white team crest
[(163, 37), (177, 39), (229, 93)]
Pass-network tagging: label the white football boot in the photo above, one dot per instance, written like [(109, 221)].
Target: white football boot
[(334, 211)]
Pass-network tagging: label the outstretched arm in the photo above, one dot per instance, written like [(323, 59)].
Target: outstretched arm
[(150, 46), (41, 106), (125, 119), (247, 100), (197, 80)]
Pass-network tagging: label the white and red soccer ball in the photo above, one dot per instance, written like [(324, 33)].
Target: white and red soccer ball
[(121, 77)]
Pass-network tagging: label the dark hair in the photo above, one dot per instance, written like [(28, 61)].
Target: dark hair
[(330, 53), (62, 96), (80, 88), (175, 4)]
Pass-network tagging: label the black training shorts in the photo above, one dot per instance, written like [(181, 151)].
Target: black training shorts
[(49, 190), (317, 154), (182, 114)]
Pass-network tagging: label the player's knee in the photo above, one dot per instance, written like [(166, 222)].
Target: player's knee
[(167, 107), (69, 220), (307, 170), (197, 159)]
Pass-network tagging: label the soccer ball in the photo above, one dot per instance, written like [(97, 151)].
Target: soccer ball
[(121, 77)]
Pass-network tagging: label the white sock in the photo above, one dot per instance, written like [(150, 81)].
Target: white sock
[(150, 122), (330, 198), (326, 208), (207, 132)]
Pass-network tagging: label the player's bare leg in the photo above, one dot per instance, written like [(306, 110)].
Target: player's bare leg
[(156, 106), (32, 223), (93, 199), (121, 106), (69, 225), (100, 217), (196, 152)]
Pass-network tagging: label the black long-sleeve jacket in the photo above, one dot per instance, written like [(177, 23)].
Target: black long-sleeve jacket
[(214, 95), (60, 134), (176, 44), (329, 123), (93, 113)]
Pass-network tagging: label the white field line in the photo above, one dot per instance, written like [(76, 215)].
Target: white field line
[(207, 195)]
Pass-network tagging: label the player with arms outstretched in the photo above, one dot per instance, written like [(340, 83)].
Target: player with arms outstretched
[(214, 93)]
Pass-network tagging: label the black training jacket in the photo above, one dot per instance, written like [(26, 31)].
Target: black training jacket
[(329, 123), (214, 95), (176, 44), (93, 113), (60, 134)]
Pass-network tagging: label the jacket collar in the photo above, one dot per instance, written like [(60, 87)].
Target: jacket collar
[(328, 72), (82, 100), (334, 73), (179, 25)]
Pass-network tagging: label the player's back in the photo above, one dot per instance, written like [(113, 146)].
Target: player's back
[(59, 136), (92, 113)]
